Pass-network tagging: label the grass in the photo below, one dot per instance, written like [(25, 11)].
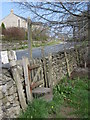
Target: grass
[(25, 46), (35, 110), (76, 95), (42, 109), (71, 93), (47, 43), (79, 97)]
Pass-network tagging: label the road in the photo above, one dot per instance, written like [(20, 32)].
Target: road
[(36, 52)]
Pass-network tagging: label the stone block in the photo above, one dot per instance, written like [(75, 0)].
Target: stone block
[(4, 100), (11, 90), (17, 110), (1, 88), (8, 104), (1, 95), (0, 82), (9, 84), (13, 111), (15, 103), (1, 103), (10, 98), (6, 93), (16, 98), (1, 112), (4, 88)]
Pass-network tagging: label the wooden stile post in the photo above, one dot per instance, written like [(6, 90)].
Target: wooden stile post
[(77, 55), (26, 65), (67, 63), (30, 38), (16, 77), (44, 67), (50, 70)]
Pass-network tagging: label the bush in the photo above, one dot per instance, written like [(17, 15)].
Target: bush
[(14, 33), (2, 26), (40, 34)]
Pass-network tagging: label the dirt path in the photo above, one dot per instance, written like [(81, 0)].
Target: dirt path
[(66, 112)]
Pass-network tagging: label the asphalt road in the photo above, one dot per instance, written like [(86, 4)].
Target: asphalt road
[(36, 52)]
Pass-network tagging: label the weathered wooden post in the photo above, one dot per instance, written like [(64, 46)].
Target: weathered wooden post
[(73, 32), (26, 66), (86, 57), (30, 38), (77, 55), (17, 79), (44, 67), (50, 70), (67, 62)]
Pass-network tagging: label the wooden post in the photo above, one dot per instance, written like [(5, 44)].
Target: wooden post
[(17, 79), (86, 57), (44, 67), (77, 57), (50, 70), (67, 63), (30, 38), (27, 78), (74, 33)]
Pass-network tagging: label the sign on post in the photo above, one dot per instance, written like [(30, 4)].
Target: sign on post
[(4, 56), (30, 38)]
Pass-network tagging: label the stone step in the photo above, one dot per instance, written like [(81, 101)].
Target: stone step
[(41, 90), (47, 97)]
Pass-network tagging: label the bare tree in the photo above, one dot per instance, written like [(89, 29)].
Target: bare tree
[(61, 17)]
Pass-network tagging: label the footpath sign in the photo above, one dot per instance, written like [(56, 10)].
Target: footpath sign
[(4, 57)]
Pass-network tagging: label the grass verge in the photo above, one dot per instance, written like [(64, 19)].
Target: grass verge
[(25, 46), (72, 93)]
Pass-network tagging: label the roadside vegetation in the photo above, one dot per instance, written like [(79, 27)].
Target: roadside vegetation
[(54, 42), (19, 34), (70, 101), (17, 38)]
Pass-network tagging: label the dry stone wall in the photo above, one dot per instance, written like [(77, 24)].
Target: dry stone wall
[(59, 65), (9, 100), (9, 103)]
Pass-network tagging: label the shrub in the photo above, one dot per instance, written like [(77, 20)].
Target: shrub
[(14, 33), (40, 34), (2, 26)]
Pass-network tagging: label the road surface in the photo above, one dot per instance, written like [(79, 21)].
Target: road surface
[(36, 52)]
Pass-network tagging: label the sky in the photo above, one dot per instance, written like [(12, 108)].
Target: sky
[(5, 8), (7, 5)]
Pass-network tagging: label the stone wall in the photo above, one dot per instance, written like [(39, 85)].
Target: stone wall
[(9, 103), (59, 65), (9, 100)]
